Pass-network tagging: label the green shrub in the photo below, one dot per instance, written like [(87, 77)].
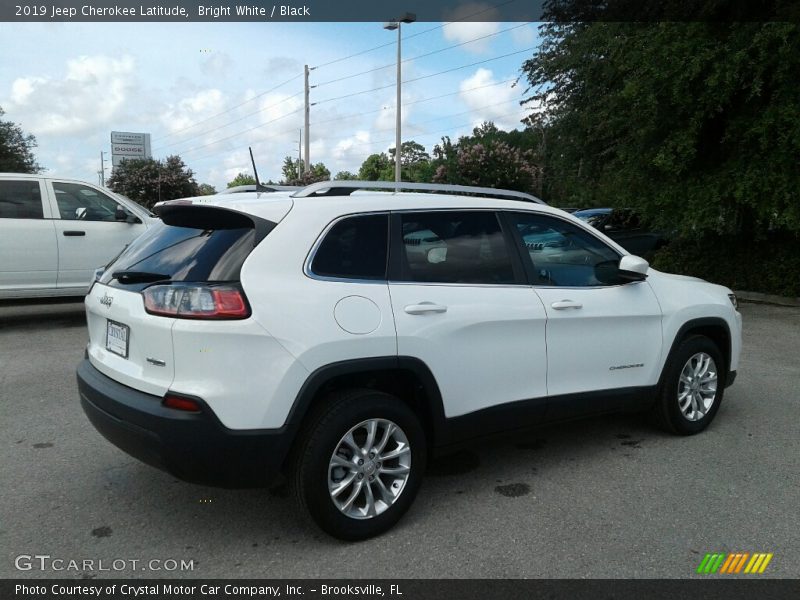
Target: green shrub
[(770, 265)]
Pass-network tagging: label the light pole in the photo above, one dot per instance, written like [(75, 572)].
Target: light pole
[(391, 26)]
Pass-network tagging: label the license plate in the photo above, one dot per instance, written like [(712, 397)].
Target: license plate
[(117, 336)]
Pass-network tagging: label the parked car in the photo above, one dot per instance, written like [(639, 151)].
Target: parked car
[(624, 227), (55, 232), (310, 336)]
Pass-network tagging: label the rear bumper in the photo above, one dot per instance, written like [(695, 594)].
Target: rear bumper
[(195, 447)]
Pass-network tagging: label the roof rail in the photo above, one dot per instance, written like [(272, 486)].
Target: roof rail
[(347, 187)]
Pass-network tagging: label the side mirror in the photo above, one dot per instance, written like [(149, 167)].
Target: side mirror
[(123, 215), (633, 268)]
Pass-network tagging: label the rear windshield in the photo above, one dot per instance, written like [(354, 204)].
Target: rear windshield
[(181, 254)]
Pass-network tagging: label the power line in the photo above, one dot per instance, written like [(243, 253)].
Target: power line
[(480, 62), (447, 116), (478, 87), (430, 133), (353, 115), (477, 39), (408, 37), (383, 87), (280, 85), (238, 133), (323, 101), (230, 122)]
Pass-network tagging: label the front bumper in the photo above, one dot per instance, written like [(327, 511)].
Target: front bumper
[(195, 447)]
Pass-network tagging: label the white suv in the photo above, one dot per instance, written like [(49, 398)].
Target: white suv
[(55, 232), (342, 338)]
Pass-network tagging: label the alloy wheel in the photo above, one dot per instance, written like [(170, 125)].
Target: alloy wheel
[(369, 468), (697, 388)]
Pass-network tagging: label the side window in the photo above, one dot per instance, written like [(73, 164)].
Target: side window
[(78, 202), (562, 254), (454, 247), (20, 199), (354, 248)]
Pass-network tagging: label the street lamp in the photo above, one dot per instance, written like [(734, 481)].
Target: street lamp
[(391, 26)]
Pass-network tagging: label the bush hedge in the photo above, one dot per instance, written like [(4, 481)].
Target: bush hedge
[(770, 265)]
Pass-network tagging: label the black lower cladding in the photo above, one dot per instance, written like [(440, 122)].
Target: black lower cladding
[(730, 379), (195, 447)]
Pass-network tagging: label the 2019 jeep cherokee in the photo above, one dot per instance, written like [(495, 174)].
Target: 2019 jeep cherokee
[(314, 334)]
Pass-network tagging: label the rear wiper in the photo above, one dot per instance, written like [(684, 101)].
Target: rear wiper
[(138, 276)]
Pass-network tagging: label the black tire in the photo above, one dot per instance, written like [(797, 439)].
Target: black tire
[(667, 410), (319, 439)]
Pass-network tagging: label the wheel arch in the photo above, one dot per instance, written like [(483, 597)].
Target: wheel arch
[(405, 377), (714, 328)]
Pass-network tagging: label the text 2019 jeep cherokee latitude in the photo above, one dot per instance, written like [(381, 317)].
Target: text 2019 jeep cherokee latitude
[(343, 338)]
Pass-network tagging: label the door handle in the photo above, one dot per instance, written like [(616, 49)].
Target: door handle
[(564, 304), (425, 307), (74, 233)]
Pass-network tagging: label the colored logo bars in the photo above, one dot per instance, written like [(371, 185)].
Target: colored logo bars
[(739, 562)]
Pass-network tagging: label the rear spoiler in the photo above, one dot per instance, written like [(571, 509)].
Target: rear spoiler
[(198, 216)]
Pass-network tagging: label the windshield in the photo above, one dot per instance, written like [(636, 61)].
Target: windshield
[(595, 217)]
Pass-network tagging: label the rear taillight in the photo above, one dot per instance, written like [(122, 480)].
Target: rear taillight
[(196, 301)]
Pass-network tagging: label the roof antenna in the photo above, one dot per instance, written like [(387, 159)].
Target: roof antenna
[(259, 187)]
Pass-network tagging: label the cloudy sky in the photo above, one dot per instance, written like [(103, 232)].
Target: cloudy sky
[(207, 91)]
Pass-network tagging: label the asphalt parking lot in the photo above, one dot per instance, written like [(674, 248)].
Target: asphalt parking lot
[(607, 498)]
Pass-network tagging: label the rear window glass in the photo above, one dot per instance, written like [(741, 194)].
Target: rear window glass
[(185, 254), (354, 248)]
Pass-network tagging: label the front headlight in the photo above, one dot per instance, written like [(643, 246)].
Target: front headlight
[(732, 298)]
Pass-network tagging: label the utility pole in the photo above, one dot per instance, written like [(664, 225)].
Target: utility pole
[(398, 113), (300, 149), (307, 156), (391, 26), (102, 172)]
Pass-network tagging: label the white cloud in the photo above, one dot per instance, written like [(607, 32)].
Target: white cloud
[(23, 88), (94, 91), (192, 109), (349, 153), (460, 31), (524, 36), (217, 64), (497, 103)]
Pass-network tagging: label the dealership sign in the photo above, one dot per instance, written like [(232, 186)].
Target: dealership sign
[(127, 145)]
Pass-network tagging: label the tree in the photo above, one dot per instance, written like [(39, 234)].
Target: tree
[(415, 163), (491, 164), (147, 181), (206, 189), (374, 167), (490, 157), (694, 124), (345, 176), (242, 179), (293, 173), (16, 149), (410, 152)]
